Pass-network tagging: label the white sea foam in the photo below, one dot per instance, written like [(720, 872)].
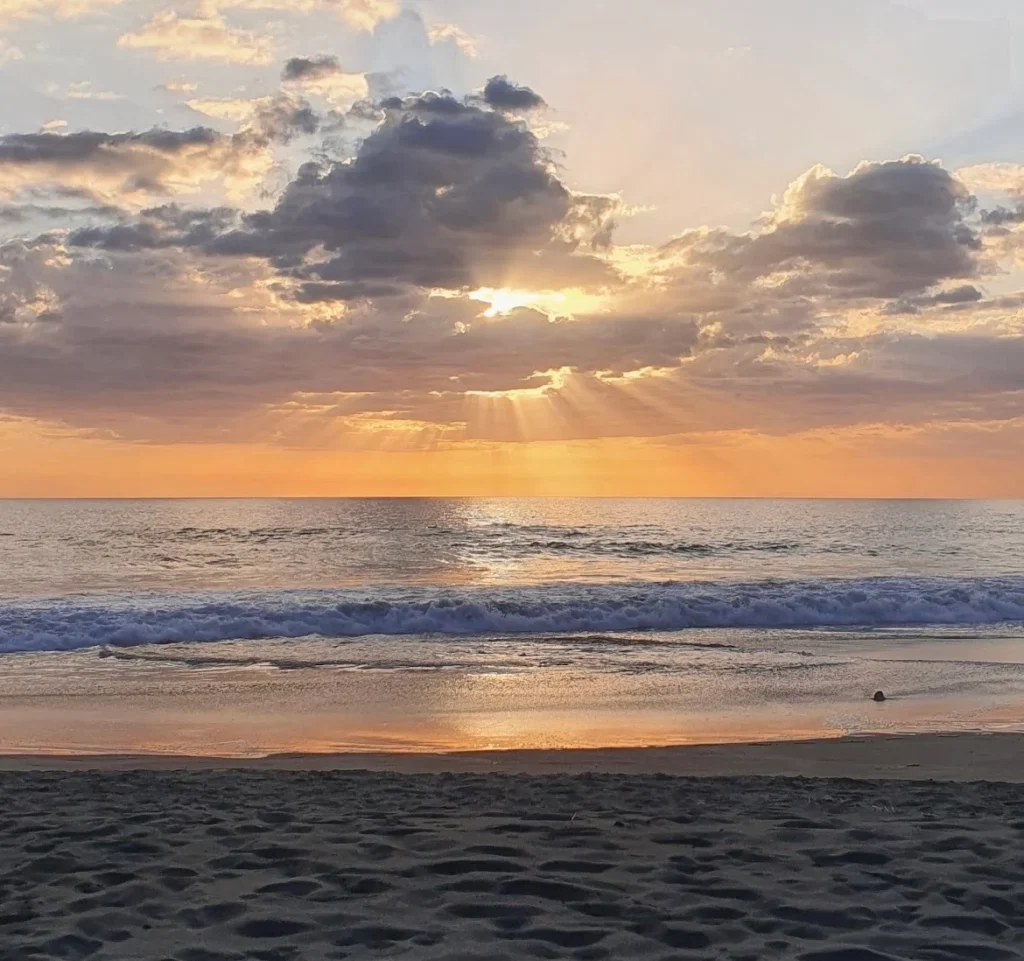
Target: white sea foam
[(126, 620)]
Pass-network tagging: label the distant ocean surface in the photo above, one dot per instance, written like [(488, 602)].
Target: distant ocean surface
[(740, 603)]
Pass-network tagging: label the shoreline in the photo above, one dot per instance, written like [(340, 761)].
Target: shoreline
[(987, 756)]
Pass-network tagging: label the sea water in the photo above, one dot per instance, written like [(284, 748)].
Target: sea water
[(514, 622)]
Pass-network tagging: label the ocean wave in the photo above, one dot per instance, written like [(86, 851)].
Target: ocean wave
[(128, 620)]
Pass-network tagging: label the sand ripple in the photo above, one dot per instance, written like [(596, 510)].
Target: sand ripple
[(277, 866)]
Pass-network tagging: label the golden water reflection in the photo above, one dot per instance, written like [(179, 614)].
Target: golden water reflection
[(106, 729)]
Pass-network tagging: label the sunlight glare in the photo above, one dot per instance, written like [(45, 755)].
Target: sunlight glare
[(554, 303)]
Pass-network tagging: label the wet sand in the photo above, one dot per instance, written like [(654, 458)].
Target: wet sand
[(947, 757), (285, 858)]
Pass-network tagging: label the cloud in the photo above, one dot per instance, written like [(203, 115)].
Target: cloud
[(178, 86), (502, 94), (440, 275), (158, 227), (886, 230), (13, 10), (25, 301), (361, 14), (443, 194), (220, 355), (23, 213), (82, 90), (323, 76), (365, 14), (310, 68), (9, 54), (123, 168), (204, 37), (201, 356), (1007, 177), (450, 33), (265, 119)]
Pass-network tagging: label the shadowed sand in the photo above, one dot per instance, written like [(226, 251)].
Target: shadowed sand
[(222, 865)]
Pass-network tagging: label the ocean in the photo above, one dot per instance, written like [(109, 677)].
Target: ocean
[(253, 626)]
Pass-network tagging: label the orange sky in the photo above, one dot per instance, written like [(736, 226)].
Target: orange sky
[(755, 269), (810, 465)]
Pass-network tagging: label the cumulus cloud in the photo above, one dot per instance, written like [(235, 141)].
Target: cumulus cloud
[(445, 193), (206, 36), (441, 272), (886, 230)]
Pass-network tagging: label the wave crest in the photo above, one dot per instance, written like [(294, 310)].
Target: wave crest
[(153, 619)]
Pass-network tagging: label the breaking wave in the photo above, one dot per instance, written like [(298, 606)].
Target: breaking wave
[(128, 620)]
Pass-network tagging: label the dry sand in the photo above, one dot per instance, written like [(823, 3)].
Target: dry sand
[(296, 865)]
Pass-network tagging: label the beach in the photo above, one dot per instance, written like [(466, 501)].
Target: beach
[(294, 731), (298, 857)]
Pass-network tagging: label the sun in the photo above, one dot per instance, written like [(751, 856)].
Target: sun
[(554, 303), (503, 300)]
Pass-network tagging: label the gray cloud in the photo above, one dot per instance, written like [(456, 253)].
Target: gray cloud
[(1001, 216), (158, 227), (310, 68), (502, 94), (443, 194), (887, 230), (956, 298), (73, 148), (347, 297), (112, 167), (147, 367), (283, 118), (27, 213)]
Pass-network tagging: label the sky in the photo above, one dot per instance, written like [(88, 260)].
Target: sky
[(477, 247)]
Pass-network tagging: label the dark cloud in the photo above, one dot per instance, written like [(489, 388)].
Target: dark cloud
[(1001, 216), (955, 298), (157, 227), (347, 297), (110, 167), (311, 68), (887, 230), (283, 118), (964, 294), (148, 366), (502, 94), (27, 213), (73, 148), (443, 194)]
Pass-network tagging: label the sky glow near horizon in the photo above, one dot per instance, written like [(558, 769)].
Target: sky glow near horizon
[(323, 247)]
